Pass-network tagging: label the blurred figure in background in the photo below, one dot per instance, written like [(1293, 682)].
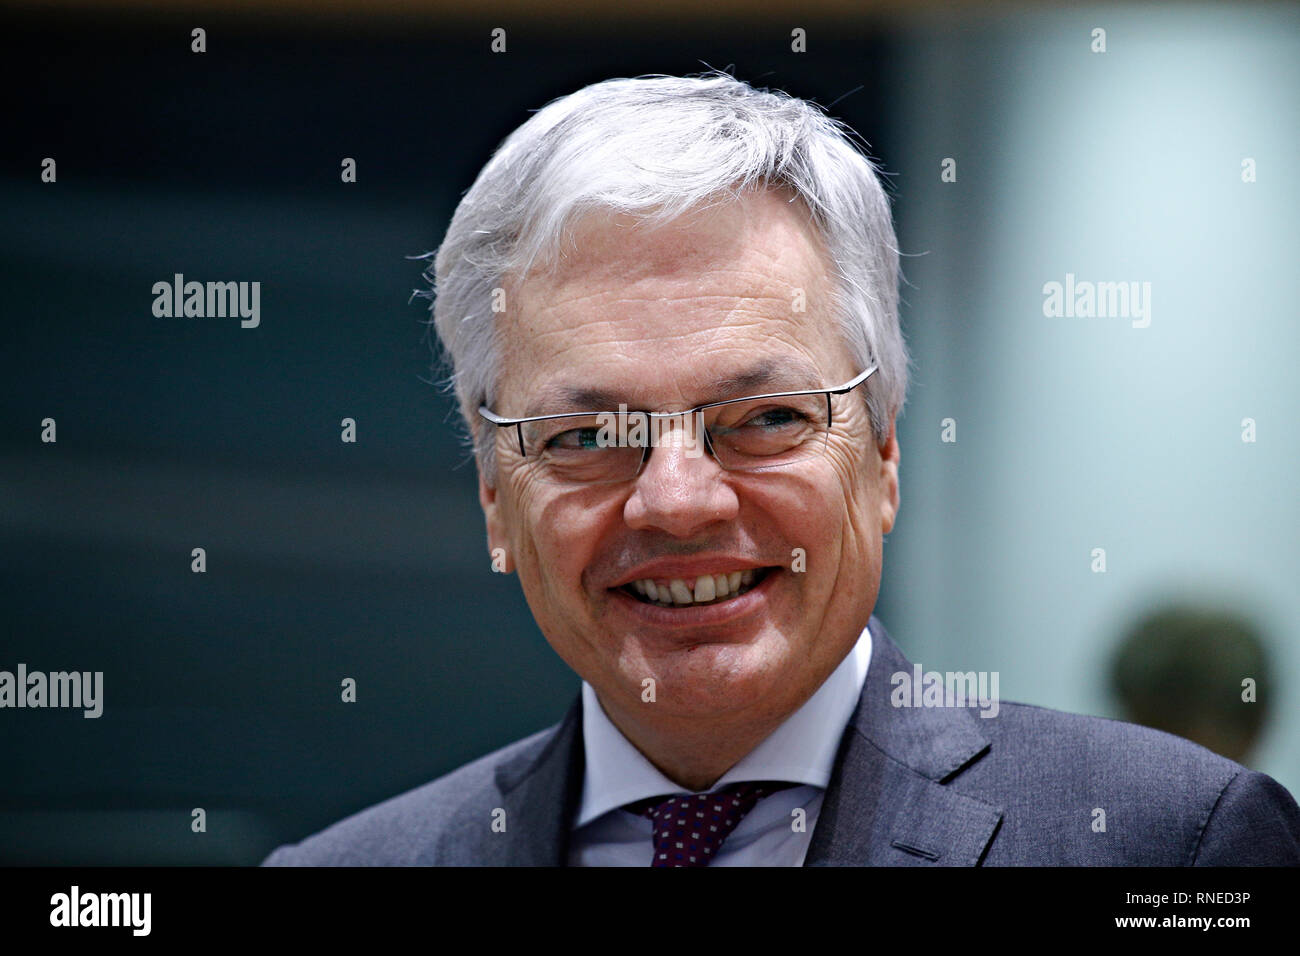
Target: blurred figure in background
[(1181, 670)]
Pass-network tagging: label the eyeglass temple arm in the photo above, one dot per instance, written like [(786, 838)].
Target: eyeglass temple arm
[(853, 382), (847, 387), (497, 420)]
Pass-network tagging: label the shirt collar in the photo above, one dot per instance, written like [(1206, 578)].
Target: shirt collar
[(801, 750)]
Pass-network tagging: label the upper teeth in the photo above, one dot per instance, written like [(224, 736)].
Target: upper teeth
[(706, 587)]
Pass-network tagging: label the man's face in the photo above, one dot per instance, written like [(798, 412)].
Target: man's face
[(658, 318)]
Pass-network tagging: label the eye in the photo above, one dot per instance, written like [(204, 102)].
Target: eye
[(771, 418), (575, 439)]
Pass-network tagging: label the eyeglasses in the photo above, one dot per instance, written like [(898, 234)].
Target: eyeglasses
[(742, 434)]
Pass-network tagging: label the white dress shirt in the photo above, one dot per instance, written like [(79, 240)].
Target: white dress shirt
[(801, 750)]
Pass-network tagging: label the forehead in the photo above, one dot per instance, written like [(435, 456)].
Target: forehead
[(733, 298)]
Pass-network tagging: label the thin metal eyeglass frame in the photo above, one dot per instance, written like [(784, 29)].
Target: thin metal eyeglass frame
[(519, 423)]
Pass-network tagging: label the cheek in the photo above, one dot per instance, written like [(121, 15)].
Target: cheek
[(797, 509), (557, 531), (856, 495)]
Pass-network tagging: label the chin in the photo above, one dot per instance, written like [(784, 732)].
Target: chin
[(715, 677)]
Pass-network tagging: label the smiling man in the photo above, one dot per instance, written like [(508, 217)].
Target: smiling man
[(720, 262)]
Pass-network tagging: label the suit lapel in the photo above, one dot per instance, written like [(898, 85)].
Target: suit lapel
[(886, 803), (533, 787)]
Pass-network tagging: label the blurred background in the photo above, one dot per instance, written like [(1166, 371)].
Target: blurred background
[(328, 560)]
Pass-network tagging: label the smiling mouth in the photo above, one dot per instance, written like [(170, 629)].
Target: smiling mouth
[(695, 592)]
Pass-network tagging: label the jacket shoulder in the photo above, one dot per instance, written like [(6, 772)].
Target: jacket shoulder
[(411, 828), (1091, 790)]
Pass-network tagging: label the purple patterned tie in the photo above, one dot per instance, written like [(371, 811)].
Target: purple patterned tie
[(690, 827)]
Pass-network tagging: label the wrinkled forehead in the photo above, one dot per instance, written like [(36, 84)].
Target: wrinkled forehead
[(621, 246), (736, 294)]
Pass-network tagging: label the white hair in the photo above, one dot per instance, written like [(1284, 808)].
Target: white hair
[(658, 147)]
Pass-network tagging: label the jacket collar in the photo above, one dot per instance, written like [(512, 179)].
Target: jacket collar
[(532, 786), (886, 803)]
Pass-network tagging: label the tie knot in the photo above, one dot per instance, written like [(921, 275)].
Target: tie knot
[(690, 827)]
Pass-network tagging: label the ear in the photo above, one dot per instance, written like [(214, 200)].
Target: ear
[(889, 455), (496, 528)]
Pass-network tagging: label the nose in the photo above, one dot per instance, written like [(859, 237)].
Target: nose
[(679, 490)]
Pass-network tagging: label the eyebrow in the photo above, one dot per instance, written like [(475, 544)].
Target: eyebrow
[(768, 375)]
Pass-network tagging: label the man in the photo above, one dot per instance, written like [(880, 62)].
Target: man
[(635, 264)]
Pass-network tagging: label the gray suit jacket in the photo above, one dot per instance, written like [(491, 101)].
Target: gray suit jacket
[(937, 786)]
